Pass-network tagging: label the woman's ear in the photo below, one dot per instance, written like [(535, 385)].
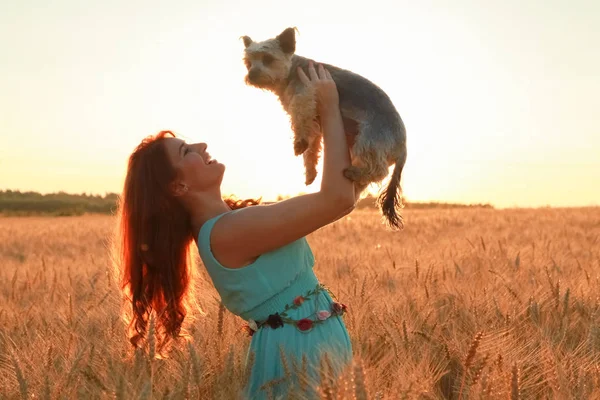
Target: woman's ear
[(178, 188)]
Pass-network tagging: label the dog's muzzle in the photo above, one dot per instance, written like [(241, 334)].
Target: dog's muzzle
[(253, 75)]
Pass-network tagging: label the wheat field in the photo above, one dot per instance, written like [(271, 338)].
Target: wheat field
[(463, 303)]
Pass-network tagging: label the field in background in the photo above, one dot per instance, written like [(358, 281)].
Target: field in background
[(480, 303)]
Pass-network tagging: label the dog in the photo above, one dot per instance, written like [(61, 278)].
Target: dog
[(370, 118)]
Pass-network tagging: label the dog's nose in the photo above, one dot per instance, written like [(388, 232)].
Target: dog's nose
[(253, 74)]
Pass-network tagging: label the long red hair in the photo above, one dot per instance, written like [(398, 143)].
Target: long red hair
[(153, 243)]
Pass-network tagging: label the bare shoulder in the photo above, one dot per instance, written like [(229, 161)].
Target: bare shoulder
[(240, 237)]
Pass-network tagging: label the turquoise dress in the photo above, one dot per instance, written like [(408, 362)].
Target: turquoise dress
[(265, 287)]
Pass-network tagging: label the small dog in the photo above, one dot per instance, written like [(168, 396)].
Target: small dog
[(367, 112)]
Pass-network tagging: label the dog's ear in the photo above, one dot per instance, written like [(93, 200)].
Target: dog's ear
[(287, 40), (247, 41)]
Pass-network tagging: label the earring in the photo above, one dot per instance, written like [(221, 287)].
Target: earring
[(185, 187)]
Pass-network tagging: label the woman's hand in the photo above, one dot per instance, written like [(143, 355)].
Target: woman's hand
[(336, 159), (325, 88)]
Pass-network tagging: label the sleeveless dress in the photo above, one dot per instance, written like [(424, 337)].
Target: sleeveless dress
[(265, 287)]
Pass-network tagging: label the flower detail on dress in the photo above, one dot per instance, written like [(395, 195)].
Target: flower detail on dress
[(323, 315), (277, 320), (304, 324), (252, 324), (338, 308), (274, 321), (251, 327)]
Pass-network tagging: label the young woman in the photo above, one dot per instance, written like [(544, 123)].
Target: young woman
[(257, 257)]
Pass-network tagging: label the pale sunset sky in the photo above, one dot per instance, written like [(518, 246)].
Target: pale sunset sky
[(501, 99)]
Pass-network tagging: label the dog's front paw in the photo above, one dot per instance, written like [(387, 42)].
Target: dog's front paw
[(353, 173), (300, 146), (310, 176)]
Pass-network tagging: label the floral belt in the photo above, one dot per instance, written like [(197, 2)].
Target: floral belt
[(305, 324)]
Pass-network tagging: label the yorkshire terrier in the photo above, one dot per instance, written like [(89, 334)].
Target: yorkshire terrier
[(367, 111)]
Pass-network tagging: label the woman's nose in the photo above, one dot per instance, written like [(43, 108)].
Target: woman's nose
[(201, 147)]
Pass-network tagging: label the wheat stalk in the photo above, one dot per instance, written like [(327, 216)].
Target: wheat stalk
[(196, 366), (514, 383), (220, 318), (120, 389), (469, 360), (360, 390), (23, 389)]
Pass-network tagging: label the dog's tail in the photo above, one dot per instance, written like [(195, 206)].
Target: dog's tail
[(390, 200)]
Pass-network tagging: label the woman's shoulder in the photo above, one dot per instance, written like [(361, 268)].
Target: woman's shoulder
[(206, 240), (207, 226)]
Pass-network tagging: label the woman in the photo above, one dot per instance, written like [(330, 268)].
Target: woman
[(257, 257)]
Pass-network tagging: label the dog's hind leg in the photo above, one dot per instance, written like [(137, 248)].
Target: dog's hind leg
[(368, 165), (378, 140), (381, 143), (378, 146)]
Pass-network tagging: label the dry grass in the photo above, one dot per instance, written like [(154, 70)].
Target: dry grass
[(470, 304)]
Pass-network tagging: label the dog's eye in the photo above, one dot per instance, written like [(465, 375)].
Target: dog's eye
[(267, 59)]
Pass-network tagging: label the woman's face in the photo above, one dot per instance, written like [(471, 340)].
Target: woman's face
[(194, 166)]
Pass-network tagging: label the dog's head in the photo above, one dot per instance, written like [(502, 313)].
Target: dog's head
[(269, 62)]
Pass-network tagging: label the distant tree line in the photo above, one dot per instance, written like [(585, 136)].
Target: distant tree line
[(33, 203), (370, 202), (61, 204)]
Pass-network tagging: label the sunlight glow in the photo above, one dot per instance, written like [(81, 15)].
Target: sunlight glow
[(493, 115)]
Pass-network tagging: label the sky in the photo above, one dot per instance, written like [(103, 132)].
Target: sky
[(499, 98)]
